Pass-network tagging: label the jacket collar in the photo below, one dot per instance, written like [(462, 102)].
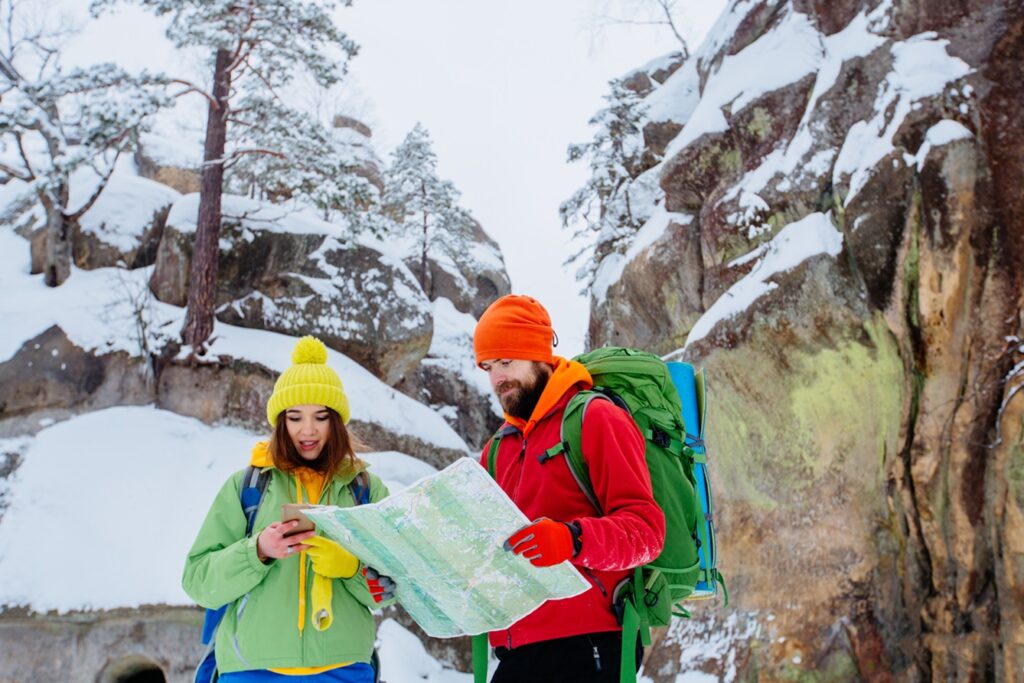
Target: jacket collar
[(566, 376)]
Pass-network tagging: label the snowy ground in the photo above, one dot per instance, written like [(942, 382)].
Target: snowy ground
[(125, 490)]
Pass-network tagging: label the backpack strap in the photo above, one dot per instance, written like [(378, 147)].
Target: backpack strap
[(571, 443), (491, 459), (360, 488), (480, 647), (254, 483), (630, 631)]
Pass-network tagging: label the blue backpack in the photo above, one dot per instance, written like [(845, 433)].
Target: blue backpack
[(254, 483)]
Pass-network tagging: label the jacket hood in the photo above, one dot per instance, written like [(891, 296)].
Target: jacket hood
[(261, 455)]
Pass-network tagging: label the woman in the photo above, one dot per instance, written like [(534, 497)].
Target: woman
[(298, 604)]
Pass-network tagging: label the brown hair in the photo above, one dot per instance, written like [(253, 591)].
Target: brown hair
[(338, 453)]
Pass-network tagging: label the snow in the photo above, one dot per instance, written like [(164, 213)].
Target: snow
[(795, 243), (783, 55), (653, 65), (677, 97), (129, 508), (85, 503), (125, 208), (612, 267), (452, 348), (942, 133), (398, 470), (255, 215), (921, 68), (94, 310), (128, 505), (403, 658)]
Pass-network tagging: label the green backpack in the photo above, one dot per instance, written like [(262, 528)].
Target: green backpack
[(657, 395)]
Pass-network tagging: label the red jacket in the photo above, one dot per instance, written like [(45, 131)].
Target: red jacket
[(632, 530)]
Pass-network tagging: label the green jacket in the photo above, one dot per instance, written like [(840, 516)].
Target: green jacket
[(260, 626)]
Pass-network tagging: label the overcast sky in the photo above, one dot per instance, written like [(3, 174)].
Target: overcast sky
[(503, 88)]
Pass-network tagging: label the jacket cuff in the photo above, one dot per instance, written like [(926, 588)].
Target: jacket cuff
[(253, 557), (577, 540)]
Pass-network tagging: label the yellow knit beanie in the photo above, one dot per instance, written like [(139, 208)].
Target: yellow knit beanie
[(308, 382)]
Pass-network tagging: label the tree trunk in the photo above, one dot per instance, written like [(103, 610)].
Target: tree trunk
[(424, 265), (202, 292), (59, 233)]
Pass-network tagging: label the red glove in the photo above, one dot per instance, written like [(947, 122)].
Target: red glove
[(544, 543), (381, 587)]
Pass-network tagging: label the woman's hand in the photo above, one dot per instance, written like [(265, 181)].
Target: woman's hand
[(272, 541)]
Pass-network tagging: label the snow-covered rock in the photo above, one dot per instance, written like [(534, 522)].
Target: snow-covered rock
[(449, 381), (287, 271), (838, 243)]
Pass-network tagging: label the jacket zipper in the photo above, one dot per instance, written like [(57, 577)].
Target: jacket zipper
[(515, 498), (522, 458), (597, 581)]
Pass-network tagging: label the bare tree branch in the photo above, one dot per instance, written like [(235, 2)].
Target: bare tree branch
[(99, 189), (192, 87), (14, 173), (664, 7), (24, 156), (237, 155)]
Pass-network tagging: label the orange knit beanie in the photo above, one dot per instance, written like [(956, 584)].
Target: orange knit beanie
[(515, 327)]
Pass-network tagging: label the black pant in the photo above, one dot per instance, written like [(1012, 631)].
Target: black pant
[(592, 657)]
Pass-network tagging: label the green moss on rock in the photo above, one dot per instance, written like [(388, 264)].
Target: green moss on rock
[(784, 416)]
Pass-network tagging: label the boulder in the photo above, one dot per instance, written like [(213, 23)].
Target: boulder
[(51, 378), (295, 275), (448, 380), (356, 135), (183, 179), (152, 643), (125, 224), (471, 275)]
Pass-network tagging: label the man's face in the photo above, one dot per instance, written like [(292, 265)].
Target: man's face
[(517, 383)]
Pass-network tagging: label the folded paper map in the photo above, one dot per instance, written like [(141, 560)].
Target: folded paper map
[(440, 540)]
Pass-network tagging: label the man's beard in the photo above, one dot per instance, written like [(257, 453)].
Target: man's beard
[(521, 401)]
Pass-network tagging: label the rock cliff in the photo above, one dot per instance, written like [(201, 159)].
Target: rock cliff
[(838, 239)]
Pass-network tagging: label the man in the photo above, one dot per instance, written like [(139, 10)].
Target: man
[(579, 638)]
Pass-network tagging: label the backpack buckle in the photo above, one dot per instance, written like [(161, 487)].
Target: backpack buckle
[(620, 594), (660, 438)]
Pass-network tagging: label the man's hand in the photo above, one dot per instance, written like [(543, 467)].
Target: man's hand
[(382, 588), (273, 542), (330, 559), (544, 542)]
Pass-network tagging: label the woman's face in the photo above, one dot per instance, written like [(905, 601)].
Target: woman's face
[(308, 428)]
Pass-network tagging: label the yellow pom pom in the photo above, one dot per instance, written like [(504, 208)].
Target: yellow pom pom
[(309, 350)]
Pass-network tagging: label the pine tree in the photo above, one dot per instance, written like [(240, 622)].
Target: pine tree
[(256, 48), (601, 212), (300, 158), (422, 206), (58, 121)]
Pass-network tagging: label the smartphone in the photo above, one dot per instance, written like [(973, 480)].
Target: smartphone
[(290, 511)]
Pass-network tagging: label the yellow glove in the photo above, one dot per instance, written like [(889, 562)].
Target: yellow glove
[(330, 559)]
